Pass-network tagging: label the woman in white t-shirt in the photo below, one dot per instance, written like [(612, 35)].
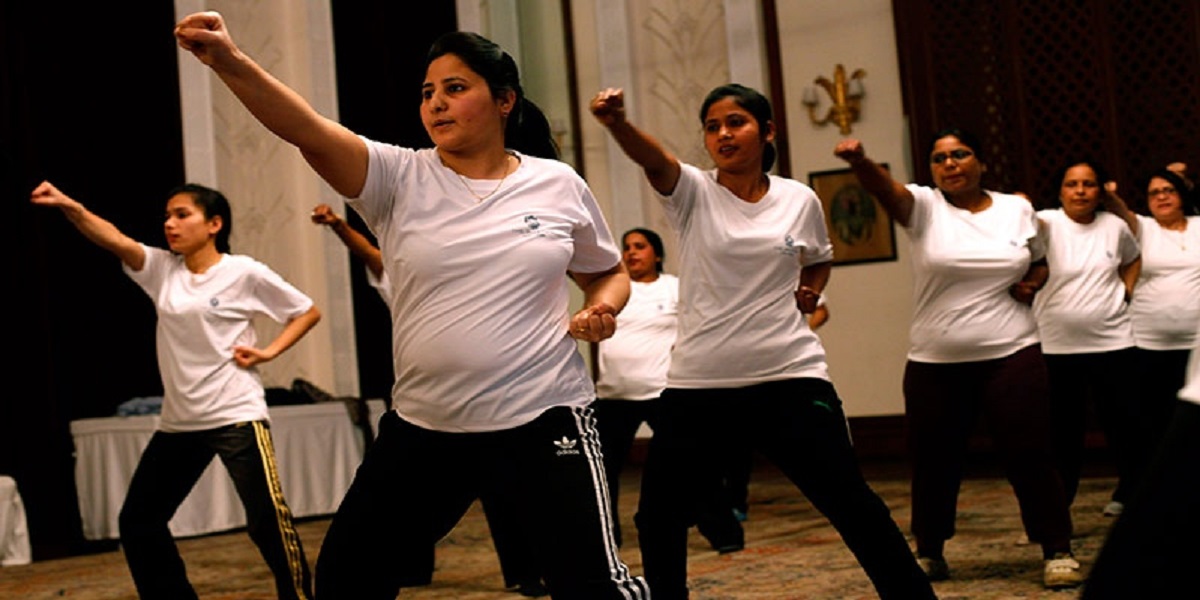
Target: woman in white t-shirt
[(632, 367), (1165, 308), (974, 348), (214, 403), (518, 563), (632, 364), (478, 238), (746, 368), (1086, 334)]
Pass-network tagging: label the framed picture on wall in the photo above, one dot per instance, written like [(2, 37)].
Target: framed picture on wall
[(859, 228)]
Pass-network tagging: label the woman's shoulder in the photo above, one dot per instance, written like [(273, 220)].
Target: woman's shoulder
[(923, 193), (159, 260), (551, 166), (390, 152), (244, 263), (1014, 204), (1110, 220), (791, 186), (1011, 199), (1049, 214)]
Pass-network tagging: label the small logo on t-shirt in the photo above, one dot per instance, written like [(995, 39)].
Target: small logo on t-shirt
[(789, 247), (566, 446), (530, 226)]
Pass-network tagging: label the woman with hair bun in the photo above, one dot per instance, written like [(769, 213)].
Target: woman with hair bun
[(491, 394)]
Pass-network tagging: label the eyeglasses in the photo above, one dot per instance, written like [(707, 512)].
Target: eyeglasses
[(1166, 191), (959, 154)]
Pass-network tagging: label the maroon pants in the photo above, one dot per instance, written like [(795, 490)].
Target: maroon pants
[(944, 402)]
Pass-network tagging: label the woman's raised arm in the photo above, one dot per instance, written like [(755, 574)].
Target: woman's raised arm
[(334, 152), (92, 226)]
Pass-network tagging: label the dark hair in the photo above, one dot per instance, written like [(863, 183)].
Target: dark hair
[(1186, 196), (213, 204), (655, 242), (967, 138), (1061, 173), (527, 130), (754, 102)]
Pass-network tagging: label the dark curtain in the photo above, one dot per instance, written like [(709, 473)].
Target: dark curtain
[(1046, 82), (90, 102)]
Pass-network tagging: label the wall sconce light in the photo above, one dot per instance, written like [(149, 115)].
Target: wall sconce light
[(845, 94)]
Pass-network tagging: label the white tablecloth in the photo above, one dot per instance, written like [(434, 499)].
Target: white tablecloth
[(317, 449), (14, 536)]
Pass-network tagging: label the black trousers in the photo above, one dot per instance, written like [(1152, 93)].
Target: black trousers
[(1102, 380), (169, 468), (943, 402), (799, 426), (415, 484), (618, 422), (1159, 375), (514, 549)]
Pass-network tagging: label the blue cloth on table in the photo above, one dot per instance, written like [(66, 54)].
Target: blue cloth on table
[(147, 405)]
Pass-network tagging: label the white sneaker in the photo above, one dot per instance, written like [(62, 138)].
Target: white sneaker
[(1062, 571), (1113, 509)]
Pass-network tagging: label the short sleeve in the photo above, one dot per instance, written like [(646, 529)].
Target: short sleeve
[(1128, 246), (154, 270), (385, 163), (923, 198), (276, 298), (677, 206), (595, 249)]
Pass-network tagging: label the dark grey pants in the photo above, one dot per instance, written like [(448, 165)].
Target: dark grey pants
[(169, 468)]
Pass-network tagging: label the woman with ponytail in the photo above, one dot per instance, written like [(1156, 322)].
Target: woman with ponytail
[(491, 394), (214, 403)]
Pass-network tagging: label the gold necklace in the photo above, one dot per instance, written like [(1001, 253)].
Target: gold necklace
[(478, 198)]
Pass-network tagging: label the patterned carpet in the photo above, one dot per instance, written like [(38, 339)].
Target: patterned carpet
[(791, 553)]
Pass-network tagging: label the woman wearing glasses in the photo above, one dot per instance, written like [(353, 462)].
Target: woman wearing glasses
[(1165, 308), (975, 351)]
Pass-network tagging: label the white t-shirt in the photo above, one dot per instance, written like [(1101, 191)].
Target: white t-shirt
[(201, 317), (479, 288), (964, 264), (1082, 306), (381, 284), (738, 321), (634, 361), (1166, 300)]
